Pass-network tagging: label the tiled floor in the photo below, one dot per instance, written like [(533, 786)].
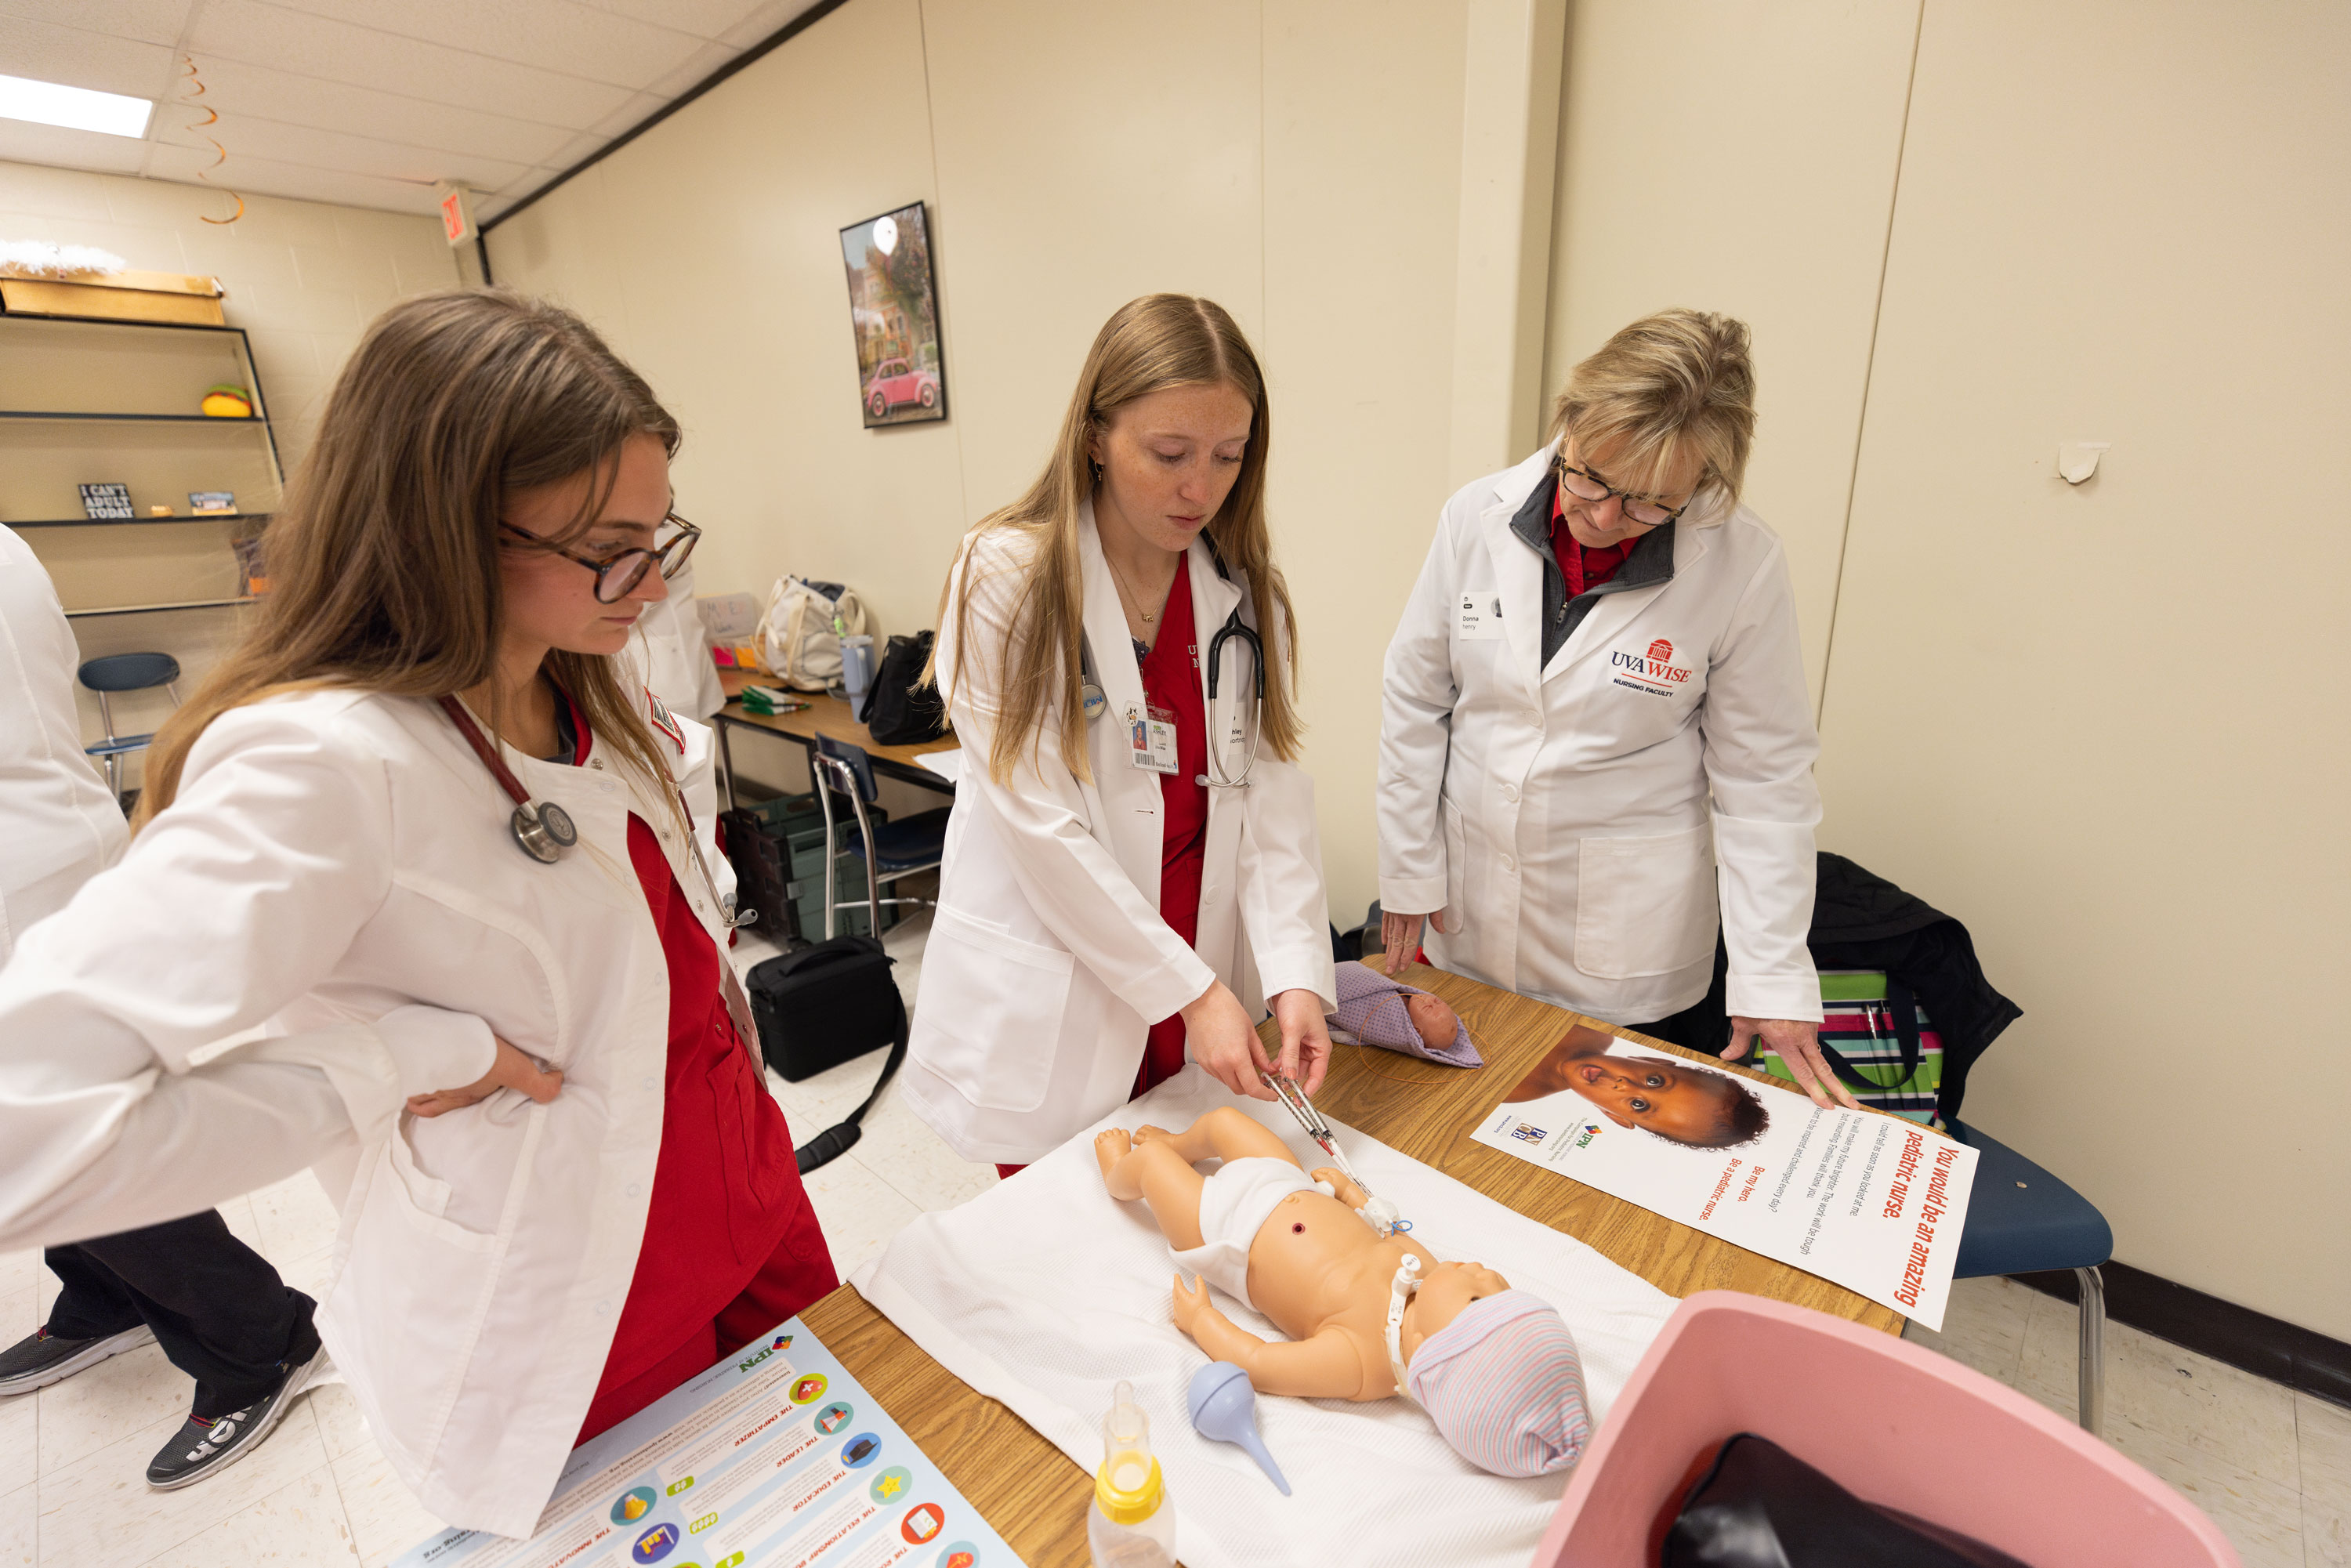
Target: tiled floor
[(2272, 1467)]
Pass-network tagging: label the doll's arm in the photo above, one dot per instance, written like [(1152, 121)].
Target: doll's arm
[(1323, 1368), (1342, 1186)]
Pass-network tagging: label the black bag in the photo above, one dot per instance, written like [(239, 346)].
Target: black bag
[(818, 1008), (763, 875), (1756, 1505), (897, 710)]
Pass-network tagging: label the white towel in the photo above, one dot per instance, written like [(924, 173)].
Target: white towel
[(1044, 1292)]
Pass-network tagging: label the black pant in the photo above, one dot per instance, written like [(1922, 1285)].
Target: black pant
[(218, 1309)]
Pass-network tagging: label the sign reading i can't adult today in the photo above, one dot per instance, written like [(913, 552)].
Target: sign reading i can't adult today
[(1874, 1203), (778, 1459)]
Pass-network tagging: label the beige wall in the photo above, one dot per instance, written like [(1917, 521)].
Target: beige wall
[(1755, 177), (303, 279), (1299, 160), (2097, 724), (2105, 725)]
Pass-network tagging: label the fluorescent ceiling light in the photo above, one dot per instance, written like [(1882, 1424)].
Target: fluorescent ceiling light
[(75, 108)]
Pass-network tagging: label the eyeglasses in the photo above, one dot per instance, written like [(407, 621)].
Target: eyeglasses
[(1587, 485), (617, 574)]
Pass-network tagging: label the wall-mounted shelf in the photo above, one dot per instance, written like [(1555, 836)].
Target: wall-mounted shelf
[(118, 522), (153, 608), (53, 417)]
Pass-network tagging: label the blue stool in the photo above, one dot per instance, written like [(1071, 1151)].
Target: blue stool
[(2023, 1220), (126, 673), (898, 849)]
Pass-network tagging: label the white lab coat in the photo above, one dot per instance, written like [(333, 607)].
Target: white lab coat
[(1585, 822), (338, 865), (59, 821), (1048, 962)]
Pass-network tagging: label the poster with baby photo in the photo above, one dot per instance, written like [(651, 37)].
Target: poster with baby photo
[(1869, 1202)]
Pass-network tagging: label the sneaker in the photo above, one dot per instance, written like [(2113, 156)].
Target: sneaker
[(45, 1358), (201, 1446)]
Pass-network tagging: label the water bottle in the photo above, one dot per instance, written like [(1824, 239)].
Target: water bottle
[(856, 665), (1131, 1524)]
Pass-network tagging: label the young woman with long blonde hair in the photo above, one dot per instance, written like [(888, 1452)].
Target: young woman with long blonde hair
[(1132, 871), (426, 825)]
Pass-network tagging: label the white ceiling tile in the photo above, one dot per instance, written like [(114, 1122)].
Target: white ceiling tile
[(237, 89), (577, 151), (257, 176), (46, 52), (764, 21), (703, 18), (640, 108), (149, 21), (248, 137), (691, 73), (556, 35), (317, 45), (22, 141)]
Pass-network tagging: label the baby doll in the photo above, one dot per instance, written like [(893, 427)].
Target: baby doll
[(1384, 1012), (1664, 1095), (1495, 1368)]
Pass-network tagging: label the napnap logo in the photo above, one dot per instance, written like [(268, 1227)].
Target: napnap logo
[(1654, 671), (1591, 1131), (781, 1340)]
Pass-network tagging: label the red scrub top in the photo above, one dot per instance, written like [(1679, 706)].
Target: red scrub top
[(1171, 684), (731, 1245)]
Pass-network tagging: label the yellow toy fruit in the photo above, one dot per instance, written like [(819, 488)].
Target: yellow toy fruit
[(225, 401)]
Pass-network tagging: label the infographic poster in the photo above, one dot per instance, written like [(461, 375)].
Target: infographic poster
[(1869, 1202), (777, 1458)]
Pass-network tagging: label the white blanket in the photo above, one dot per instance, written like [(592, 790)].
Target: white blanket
[(1044, 1292)]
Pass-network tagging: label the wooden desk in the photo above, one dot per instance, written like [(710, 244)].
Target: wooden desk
[(828, 715), (1037, 1498)]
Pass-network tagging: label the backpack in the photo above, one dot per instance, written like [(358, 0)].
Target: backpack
[(796, 635), (820, 1007), (898, 710)]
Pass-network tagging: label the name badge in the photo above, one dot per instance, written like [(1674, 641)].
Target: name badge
[(1151, 737), (1479, 616)]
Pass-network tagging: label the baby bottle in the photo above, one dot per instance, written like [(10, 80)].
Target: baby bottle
[(1131, 1524)]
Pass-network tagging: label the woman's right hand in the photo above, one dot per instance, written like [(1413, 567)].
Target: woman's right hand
[(1217, 1028), (1400, 935), (510, 1069)]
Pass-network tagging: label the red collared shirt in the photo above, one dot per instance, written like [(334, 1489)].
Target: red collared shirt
[(1585, 568)]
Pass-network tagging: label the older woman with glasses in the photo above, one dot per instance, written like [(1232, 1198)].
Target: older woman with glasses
[(1595, 741)]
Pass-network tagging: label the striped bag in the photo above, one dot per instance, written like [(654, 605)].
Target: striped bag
[(1879, 1041)]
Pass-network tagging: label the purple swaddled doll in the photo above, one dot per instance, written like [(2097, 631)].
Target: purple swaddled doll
[(1379, 1011)]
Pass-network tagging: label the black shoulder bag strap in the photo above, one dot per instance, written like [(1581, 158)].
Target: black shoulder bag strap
[(838, 1139)]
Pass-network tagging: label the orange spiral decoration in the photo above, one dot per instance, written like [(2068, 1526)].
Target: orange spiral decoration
[(211, 119)]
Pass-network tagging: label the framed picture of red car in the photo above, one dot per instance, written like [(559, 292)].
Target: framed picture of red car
[(895, 310)]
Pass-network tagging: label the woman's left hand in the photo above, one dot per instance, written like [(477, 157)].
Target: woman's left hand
[(510, 1069), (1799, 1045), (1305, 1039)]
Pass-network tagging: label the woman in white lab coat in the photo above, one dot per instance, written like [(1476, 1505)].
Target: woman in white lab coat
[(1112, 897), (331, 845), (1595, 730)]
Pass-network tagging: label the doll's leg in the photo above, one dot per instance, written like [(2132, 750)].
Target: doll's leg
[(1224, 1134), (1156, 1173)]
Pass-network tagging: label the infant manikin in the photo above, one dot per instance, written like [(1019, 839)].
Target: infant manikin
[(1495, 1368)]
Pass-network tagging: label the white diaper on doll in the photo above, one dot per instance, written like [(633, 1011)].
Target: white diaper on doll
[(1234, 1203)]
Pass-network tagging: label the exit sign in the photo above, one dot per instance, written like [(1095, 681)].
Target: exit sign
[(456, 212)]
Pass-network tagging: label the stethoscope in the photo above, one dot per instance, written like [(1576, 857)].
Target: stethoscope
[(1093, 703), (544, 830)]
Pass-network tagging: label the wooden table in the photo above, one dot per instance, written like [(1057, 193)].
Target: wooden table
[(827, 715), (1036, 1498)]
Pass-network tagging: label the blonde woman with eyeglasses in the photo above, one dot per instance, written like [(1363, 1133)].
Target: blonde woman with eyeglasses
[(1131, 876), (1596, 742)]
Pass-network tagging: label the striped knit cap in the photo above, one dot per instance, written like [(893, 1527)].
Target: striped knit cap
[(1505, 1386)]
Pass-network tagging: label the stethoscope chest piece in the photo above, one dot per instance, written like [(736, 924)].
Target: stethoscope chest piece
[(544, 830)]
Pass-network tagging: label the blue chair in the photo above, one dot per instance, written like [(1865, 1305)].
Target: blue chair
[(899, 849), (126, 673), (2023, 1220)]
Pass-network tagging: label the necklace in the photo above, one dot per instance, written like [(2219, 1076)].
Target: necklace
[(1148, 615)]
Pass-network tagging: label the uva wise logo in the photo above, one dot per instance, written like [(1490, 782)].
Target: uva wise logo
[(1656, 667)]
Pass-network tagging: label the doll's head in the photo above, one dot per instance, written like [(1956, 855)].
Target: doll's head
[(1438, 1024), (1501, 1379)]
